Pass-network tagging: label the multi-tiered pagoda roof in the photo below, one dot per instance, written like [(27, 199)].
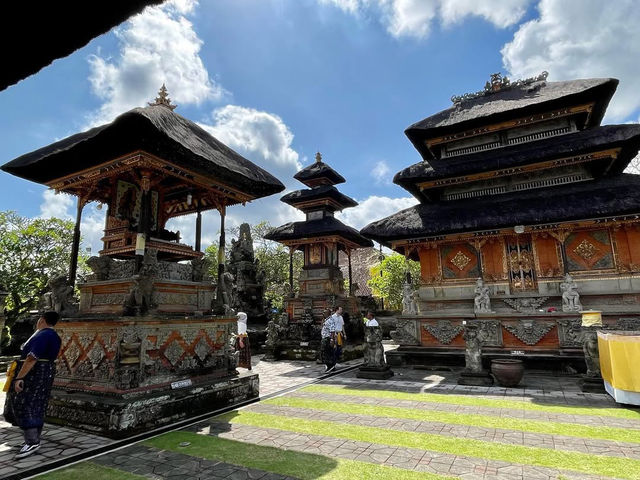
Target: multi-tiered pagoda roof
[(528, 153), (319, 203)]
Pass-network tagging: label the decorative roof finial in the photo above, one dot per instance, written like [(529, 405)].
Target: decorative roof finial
[(498, 83), (318, 157), (163, 99)]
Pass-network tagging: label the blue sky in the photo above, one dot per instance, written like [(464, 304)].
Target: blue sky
[(278, 80)]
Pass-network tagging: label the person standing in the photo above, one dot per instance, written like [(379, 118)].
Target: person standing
[(371, 320), (242, 342), (29, 393), (328, 342), (340, 335)]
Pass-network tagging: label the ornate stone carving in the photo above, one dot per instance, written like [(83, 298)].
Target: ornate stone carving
[(525, 304), (406, 332), (173, 352), (585, 249), (629, 323), (481, 302), (570, 295), (489, 332), (373, 351), (96, 354), (202, 349), (569, 332), (460, 260), (72, 353), (200, 269), (591, 353), (445, 331), (473, 349), (409, 304), (60, 297), (529, 331)]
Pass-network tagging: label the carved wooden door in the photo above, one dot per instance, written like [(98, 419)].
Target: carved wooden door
[(521, 264)]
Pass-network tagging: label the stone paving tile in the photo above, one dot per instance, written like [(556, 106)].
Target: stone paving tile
[(492, 411), (555, 442), (412, 459), (153, 463)]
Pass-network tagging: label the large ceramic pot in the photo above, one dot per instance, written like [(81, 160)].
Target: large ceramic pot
[(508, 371)]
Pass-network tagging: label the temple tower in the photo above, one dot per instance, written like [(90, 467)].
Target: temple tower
[(320, 237)]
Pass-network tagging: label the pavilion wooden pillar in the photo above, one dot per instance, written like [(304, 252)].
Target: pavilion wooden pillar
[(199, 232), (350, 284), (144, 224), (220, 288), (291, 249), (75, 246)]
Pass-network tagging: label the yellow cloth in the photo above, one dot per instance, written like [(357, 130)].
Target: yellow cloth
[(339, 338), (619, 360), (11, 372)]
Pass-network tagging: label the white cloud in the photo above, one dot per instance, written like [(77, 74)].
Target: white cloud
[(57, 205), (64, 206), (158, 46), (374, 208), (257, 133), (415, 18), (380, 172), (582, 39)]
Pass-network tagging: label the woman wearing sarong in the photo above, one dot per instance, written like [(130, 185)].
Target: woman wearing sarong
[(29, 392), (242, 342)]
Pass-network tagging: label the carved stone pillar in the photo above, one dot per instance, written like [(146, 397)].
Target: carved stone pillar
[(592, 381)]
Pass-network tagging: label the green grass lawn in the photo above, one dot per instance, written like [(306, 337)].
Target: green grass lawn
[(485, 421), (559, 459)]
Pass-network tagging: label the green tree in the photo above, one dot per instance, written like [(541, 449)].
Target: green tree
[(32, 250), (389, 284)]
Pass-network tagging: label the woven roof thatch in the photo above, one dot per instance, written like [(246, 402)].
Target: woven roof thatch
[(319, 170), (596, 139), (44, 31), (611, 196), (321, 192), (316, 228), (511, 104), (156, 130)]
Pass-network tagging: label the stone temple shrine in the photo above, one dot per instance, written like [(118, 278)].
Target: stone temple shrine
[(321, 238), (149, 341), (525, 220)]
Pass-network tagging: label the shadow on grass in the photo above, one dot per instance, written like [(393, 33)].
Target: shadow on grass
[(270, 459)]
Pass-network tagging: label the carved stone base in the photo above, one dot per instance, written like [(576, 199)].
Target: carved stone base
[(480, 379), (592, 385), (310, 352), (375, 373), (119, 416)]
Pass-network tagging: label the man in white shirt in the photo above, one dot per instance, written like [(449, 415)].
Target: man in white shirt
[(341, 337), (371, 320)]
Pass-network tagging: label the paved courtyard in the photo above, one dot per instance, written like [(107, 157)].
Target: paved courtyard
[(418, 424)]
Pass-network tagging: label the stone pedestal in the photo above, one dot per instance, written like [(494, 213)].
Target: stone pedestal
[(119, 376)]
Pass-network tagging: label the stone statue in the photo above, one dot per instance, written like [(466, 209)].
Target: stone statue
[(373, 349), (473, 349), (570, 295), (101, 266), (139, 301), (200, 269), (591, 352), (481, 302), (276, 331), (409, 304), (60, 297)]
